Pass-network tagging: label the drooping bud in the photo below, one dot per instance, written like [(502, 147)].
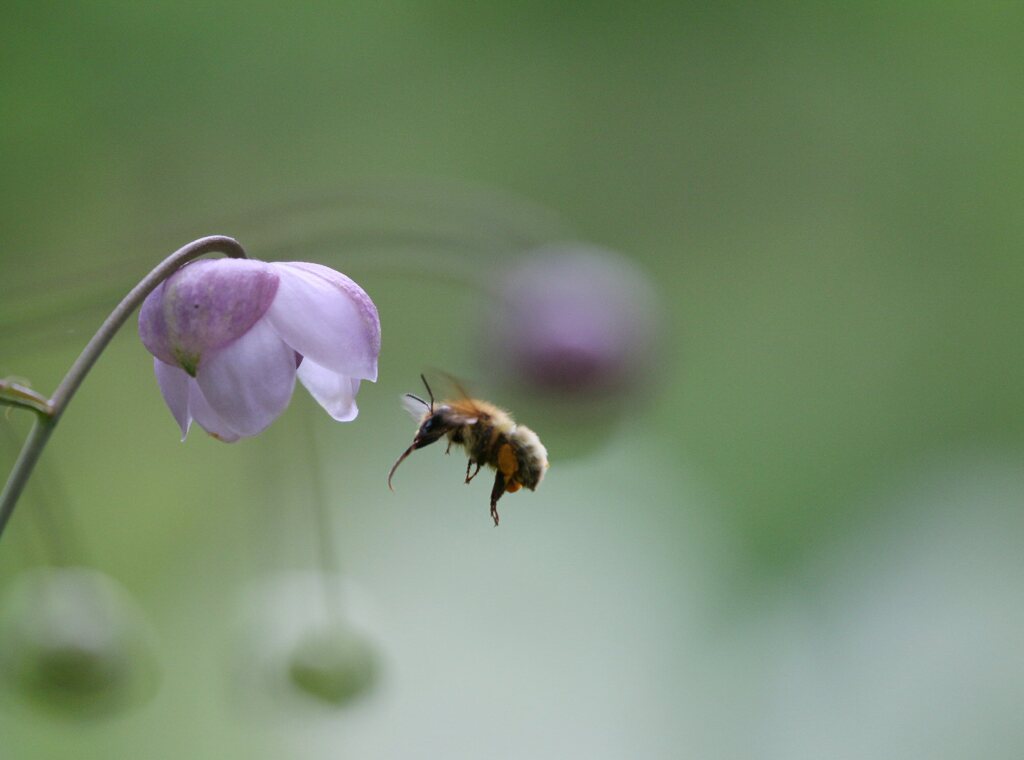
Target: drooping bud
[(72, 640), (230, 337), (305, 638), (572, 339), (574, 319), (333, 665)]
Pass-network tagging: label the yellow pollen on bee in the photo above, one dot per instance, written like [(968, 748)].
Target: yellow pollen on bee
[(513, 486), (507, 462)]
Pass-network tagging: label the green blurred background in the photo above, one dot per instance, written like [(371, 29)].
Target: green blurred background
[(803, 540)]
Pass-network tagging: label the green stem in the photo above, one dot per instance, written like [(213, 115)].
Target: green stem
[(47, 418), (23, 467), (327, 553)]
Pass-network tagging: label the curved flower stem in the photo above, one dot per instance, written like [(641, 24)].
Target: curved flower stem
[(48, 417)]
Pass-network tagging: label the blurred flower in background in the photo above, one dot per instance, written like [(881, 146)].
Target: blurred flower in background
[(304, 640), (229, 337), (575, 328), (574, 320), (72, 640)]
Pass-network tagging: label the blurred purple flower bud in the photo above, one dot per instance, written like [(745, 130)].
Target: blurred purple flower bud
[(574, 320), (229, 337)]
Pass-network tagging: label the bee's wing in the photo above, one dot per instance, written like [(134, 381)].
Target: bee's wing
[(457, 386), (415, 406), (445, 385), (463, 412)]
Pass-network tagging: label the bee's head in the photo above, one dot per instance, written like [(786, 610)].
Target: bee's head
[(433, 427), (432, 418)]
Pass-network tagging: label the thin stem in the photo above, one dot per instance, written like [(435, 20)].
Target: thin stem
[(27, 459), (48, 418), (327, 553), (56, 532)]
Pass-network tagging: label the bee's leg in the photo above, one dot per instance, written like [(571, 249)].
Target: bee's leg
[(448, 450), (469, 464), (496, 492)]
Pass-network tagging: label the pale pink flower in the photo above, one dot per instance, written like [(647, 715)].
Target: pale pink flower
[(229, 337)]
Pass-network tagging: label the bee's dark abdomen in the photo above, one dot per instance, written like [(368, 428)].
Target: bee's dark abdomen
[(485, 444)]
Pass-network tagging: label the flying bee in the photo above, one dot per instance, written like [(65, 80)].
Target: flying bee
[(489, 436)]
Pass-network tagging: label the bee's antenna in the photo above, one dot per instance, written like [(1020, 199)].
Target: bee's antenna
[(429, 392)]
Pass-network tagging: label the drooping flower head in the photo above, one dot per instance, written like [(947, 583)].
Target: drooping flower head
[(295, 651), (229, 337), (573, 321), (574, 337), (73, 640)]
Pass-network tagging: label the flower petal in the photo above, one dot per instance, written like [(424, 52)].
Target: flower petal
[(205, 306), (206, 418), (327, 318), (174, 387), (335, 393), (153, 326), (249, 382)]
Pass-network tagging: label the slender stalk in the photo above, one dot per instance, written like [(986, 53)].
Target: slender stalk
[(47, 418), (55, 524), (23, 467), (327, 553)]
